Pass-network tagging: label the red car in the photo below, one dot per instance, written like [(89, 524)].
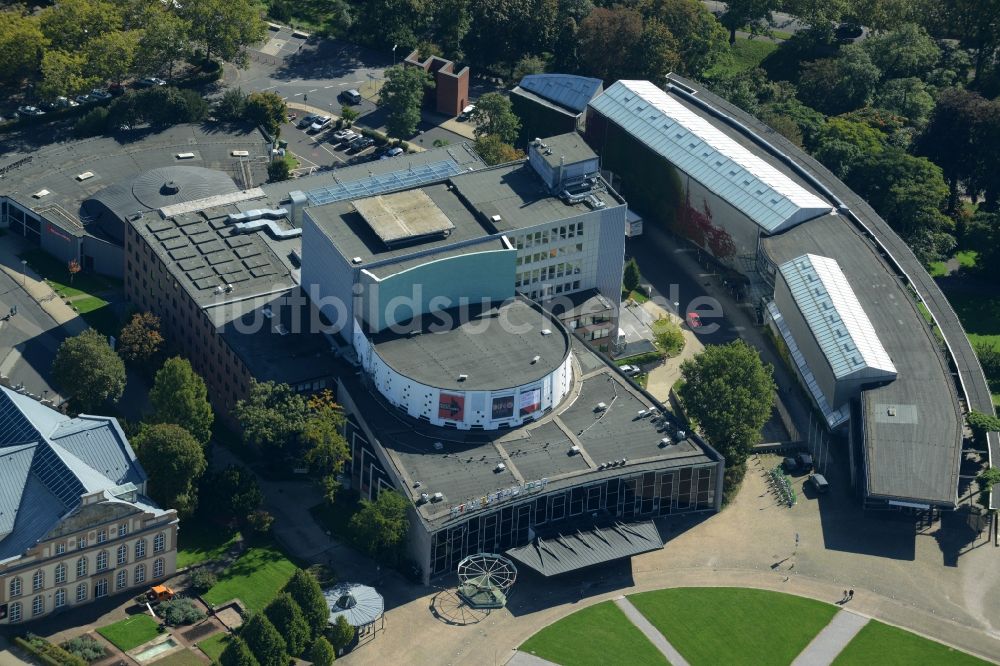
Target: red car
[(693, 320)]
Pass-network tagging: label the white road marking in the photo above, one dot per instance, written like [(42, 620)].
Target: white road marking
[(327, 87), (297, 94), (269, 88), (361, 81), (314, 90), (344, 83)]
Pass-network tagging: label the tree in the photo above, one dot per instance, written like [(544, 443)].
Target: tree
[(278, 170), (164, 42), (381, 526), (232, 105), (389, 22), (341, 633), (606, 42), (495, 151), (271, 417), (72, 23), (233, 492), (836, 85), (305, 590), (494, 116), (140, 338), (950, 137), (348, 115), (729, 391), (163, 106), (111, 56), (988, 353), (225, 27), (753, 14), (287, 618), (402, 95), (656, 53), (701, 41), (179, 396), (21, 45), (266, 109), (906, 51), (501, 32), (237, 653), (63, 74), (982, 424), (819, 15), (842, 142), (321, 653), (264, 641), (92, 123), (529, 64), (88, 370), (883, 15), (631, 276), (174, 461), (986, 480), (908, 98), (451, 24)]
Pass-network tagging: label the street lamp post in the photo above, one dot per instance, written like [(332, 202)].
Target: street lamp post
[(394, 54), (24, 272)]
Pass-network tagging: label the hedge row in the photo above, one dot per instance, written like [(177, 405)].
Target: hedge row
[(47, 653)]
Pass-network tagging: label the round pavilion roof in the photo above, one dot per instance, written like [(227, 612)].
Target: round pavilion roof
[(360, 604)]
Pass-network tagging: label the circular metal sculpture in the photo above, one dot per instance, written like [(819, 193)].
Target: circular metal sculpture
[(485, 579)]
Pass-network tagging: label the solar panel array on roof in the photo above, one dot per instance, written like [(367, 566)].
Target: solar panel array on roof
[(413, 176), (768, 197), (834, 315)]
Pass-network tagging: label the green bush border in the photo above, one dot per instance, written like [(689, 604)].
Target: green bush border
[(47, 653)]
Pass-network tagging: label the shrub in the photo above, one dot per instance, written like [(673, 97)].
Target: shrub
[(669, 337), (341, 633), (278, 170), (180, 611), (202, 579), (85, 648), (47, 653), (981, 424), (95, 122)]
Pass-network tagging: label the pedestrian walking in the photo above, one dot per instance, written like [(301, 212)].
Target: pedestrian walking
[(850, 595)]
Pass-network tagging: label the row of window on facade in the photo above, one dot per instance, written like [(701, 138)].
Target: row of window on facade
[(561, 232), (548, 273), (15, 610), (547, 290), (83, 564), (552, 253), (102, 536)]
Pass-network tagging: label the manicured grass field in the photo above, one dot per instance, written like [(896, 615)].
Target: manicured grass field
[(743, 55), (256, 577), (214, 645), (881, 644), (81, 290), (199, 542), (594, 636), (721, 625), (131, 632)]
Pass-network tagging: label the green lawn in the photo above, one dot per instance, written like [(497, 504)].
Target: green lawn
[(131, 632), (199, 542), (181, 658), (743, 55), (980, 316), (881, 644), (594, 636), (214, 645), (966, 259), (721, 625), (256, 577)]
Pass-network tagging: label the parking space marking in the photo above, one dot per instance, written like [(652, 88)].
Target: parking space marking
[(297, 94), (314, 90), (327, 87), (269, 88)]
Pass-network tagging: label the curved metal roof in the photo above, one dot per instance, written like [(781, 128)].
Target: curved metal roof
[(360, 604), (767, 196), (150, 190), (566, 90)]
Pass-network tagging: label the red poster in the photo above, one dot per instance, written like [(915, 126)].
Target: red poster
[(451, 407)]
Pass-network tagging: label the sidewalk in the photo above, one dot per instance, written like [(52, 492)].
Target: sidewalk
[(35, 287)]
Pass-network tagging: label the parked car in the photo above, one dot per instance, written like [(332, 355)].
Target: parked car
[(819, 483), (85, 99), (800, 463), (65, 102), (467, 112), (693, 320), (29, 111), (395, 151), (99, 94), (306, 121), (346, 140), (630, 370), (320, 123), (343, 135), (351, 96), (116, 89), (150, 82), (361, 143)]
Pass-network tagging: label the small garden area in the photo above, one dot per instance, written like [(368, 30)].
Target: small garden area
[(214, 645), (255, 578), (131, 632)]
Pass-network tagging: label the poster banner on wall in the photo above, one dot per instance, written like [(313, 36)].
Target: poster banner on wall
[(503, 407), (531, 400), (451, 407)]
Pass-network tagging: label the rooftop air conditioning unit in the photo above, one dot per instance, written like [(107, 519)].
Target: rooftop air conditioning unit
[(546, 331), (641, 413), (229, 288), (356, 260), (438, 446), (185, 156), (437, 497), (86, 175), (463, 377), (499, 468), (424, 498), (664, 442), (495, 219), (40, 193), (600, 407), (573, 450), (535, 359), (218, 289)]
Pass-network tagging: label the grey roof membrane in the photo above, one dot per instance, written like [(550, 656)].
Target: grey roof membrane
[(47, 461), (569, 550), (567, 90), (494, 347)]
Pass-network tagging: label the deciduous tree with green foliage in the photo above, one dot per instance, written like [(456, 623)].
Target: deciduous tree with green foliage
[(88, 371), (63, 74), (701, 40), (906, 51), (232, 105), (140, 338), (402, 96), (305, 590), (264, 641), (951, 137), (233, 493), (341, 633), (237, 653), (174, 461), (70, 24), (278, 170), (381, 526), (225, 27), (729, 392), (266, 109), (494, 116), (271, 417), (908, 98), (21, 44), (111, 56), (164, 41), (494, 151), (754, 16), (837, 85), (286, 616), (501, 32), (179, 396), (321, 653), (841, 143), (451, 22)]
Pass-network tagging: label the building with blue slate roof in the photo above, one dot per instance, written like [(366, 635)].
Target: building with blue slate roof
[(75, 524)]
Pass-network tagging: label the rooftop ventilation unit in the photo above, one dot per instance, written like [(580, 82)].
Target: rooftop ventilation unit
[(641, 413), (424, 498), (218, 289), (86, 175), (546, 331), (185, 156), (438, 446), (499, 468), (495, 219), (229, 288), (574, 450), (240, 153), (601, 406), (356, 260), (437, 497), (664, 442), (40, 193), (463, 377), (681, 434), (535, 359)]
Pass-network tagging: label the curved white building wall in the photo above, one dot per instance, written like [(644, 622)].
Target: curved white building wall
[(489, 410)]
